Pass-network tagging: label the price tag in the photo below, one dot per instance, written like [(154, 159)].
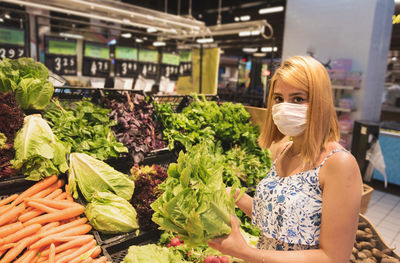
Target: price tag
[(148, 70), (126, 68), (12, 43), (96, 61), (61, 64), (185, 69), (170, 71)]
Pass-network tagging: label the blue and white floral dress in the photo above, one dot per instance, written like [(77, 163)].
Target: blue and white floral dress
[(287, 210)]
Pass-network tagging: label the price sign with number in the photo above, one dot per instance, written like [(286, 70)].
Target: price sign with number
[(60, 56), (126, 64), (12, 43), (170, 65), (185, 63), (96, 60)]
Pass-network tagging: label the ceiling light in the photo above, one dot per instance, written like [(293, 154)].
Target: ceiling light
[(112, 42), (126, 35), (138, 40), (269, 49), (1, 20), (255, 33), (144, 38), (244, 18), (71, 35), (237, 19), (250, 49), (205, 40), (259, 54), (158, 43), (151, 30), (7, 16), (270, 10), (244, 33)]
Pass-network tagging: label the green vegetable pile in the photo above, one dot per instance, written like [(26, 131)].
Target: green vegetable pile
[(39, 153), (28, 80), (152, 253), (194, 203), (85, 128)]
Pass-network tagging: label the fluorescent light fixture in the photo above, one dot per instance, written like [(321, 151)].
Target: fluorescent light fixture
[(144, 38), (244, 33), (269, 49), (126, 35), (259, 54), (255, 32), (112, 42), (158, 43), (1, 20), (250, 49), (7, 16), (237, 19), (71, 35), (138, 40), (244, 18), (151, 30), (270, 10), (205, 40)]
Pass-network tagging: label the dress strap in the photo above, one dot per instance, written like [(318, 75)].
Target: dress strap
[(329, 155), (279, 154)]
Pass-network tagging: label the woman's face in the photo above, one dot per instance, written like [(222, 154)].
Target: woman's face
[(284, 92)]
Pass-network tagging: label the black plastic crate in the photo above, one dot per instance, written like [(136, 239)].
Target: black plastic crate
[(116, 251), (178, 102)]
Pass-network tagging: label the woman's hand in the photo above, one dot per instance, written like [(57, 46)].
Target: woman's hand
[(232, 245)]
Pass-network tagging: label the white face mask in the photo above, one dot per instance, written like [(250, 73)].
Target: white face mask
[(290, 118)]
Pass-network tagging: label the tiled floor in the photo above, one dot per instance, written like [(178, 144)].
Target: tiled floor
[(384, 213)]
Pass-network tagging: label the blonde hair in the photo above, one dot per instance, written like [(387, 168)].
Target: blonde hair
[(308, 74)]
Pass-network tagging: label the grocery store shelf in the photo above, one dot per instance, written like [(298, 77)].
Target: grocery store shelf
[(344, 109), (345, 87)]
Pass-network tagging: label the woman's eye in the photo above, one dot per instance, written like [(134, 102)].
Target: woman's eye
[(298, 100), (278, 99)]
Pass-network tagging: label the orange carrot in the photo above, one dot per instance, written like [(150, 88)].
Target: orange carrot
[(66, 252), (42, 207), (49, 226), (52, 254), (15, 251), (87, 260), (96, 252), (11, 214), (76, 241), (57, 216), (57, 204), (78, 230), (49, 190), (27, 257), (25, 232), (8, 199), (71, 238), (78, 252), (102, 259), (64, 227), (69, 196), (62, 196), (43, 184), (29, 215), (5, 208), (7, 246), (10, 228), (53, 195)]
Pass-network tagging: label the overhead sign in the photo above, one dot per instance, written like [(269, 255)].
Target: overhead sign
[(97, 51), (12, 43), (148, 56), (62, 47), (60, 55), (170, 59), (126, 53), (96, 60)]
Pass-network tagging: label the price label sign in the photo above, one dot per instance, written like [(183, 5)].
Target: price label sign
[(185, 63), (96, 60), (148, 63), (60, 56), (126, 64), (170, 65), (12, 43)]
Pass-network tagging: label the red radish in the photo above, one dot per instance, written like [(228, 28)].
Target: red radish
[(175, 242), (223, 259), (211, 259), (169, 245)]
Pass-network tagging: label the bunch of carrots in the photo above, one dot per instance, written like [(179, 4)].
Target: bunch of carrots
[(43, 224)]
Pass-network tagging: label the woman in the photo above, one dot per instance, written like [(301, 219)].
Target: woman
[(308, 204)]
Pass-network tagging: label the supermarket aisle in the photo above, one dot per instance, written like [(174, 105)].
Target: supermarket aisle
[(384, 212)]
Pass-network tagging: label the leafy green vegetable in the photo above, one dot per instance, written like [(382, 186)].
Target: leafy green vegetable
[(194, 203), (93, 175), (86, 128), (39, 153), (111, 214), (28, 80), (3, 140), (152, 253)]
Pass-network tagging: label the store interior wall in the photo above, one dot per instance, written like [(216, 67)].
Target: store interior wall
[(353, 29)]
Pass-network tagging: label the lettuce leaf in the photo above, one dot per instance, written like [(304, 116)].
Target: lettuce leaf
[(111, 214), (194, 203), (38, 151), (93, 175), (152, 253)]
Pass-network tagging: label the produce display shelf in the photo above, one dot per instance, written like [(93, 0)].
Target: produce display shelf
[(178, 102)]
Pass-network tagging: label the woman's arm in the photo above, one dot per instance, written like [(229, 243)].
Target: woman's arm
[(342, 183)]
